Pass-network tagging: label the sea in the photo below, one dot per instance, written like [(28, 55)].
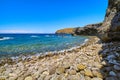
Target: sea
[(26, 44)]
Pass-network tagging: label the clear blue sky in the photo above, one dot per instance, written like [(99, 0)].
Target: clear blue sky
[(46, 16)]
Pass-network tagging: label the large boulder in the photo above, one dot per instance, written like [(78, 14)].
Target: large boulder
[(110, 29)]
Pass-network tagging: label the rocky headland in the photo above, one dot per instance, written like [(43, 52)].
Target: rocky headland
[(65, 31), (109, 29)]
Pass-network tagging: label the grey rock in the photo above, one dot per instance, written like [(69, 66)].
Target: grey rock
[(112, 73), (111, 78), (116, 67)]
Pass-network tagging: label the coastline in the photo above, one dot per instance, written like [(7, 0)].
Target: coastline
[(23, 57), (87, 62)]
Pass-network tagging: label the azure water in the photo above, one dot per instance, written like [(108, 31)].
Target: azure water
[(17, 44)]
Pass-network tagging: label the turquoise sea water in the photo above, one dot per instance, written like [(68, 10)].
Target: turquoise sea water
[(17, 44)]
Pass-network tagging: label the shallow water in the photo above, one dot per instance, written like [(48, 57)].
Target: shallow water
[(17, 44)]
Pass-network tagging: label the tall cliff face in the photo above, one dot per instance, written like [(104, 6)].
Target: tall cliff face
[(110, 29)]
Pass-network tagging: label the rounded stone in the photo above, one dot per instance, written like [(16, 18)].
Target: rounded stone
[(72, 72), (116, 67), (97, 74), (88, 73), (60, 70), (29, 78), (112, 73), (96, 79)]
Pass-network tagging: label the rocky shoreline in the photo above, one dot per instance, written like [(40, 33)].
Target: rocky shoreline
[(93, 61)]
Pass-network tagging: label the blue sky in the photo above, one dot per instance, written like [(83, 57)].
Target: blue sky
[(47, 16)]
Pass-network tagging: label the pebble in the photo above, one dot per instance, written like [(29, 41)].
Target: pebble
[(29, 78), (88, 73), (96, 79), (111, 78), (60, 70), (112, 73), (81, 66), (116, 67), (97, 74), (72, 72)]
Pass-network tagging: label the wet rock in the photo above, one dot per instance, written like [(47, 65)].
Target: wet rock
[(81, 66)]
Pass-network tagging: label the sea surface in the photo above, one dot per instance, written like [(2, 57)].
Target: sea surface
[(24, 44)]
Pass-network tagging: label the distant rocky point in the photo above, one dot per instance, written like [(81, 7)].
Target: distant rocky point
[(65, 31), (108, 30)]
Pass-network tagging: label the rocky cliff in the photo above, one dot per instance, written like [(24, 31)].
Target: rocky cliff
[(65, 31), (110, 29), (88, 29)]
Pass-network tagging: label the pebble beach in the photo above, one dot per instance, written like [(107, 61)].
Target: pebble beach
[(92, 61)]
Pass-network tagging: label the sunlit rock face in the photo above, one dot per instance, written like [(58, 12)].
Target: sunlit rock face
[(110, 29)]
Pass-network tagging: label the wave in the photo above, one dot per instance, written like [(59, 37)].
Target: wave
[(5, 38), (33, 36), (47, 35)]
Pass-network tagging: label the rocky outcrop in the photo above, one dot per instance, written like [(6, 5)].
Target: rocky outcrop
[(110, 29), (88, 29), (65, 31)]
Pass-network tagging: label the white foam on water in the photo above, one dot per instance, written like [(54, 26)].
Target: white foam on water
[(47, 36), (6, 38), (33, 36)]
